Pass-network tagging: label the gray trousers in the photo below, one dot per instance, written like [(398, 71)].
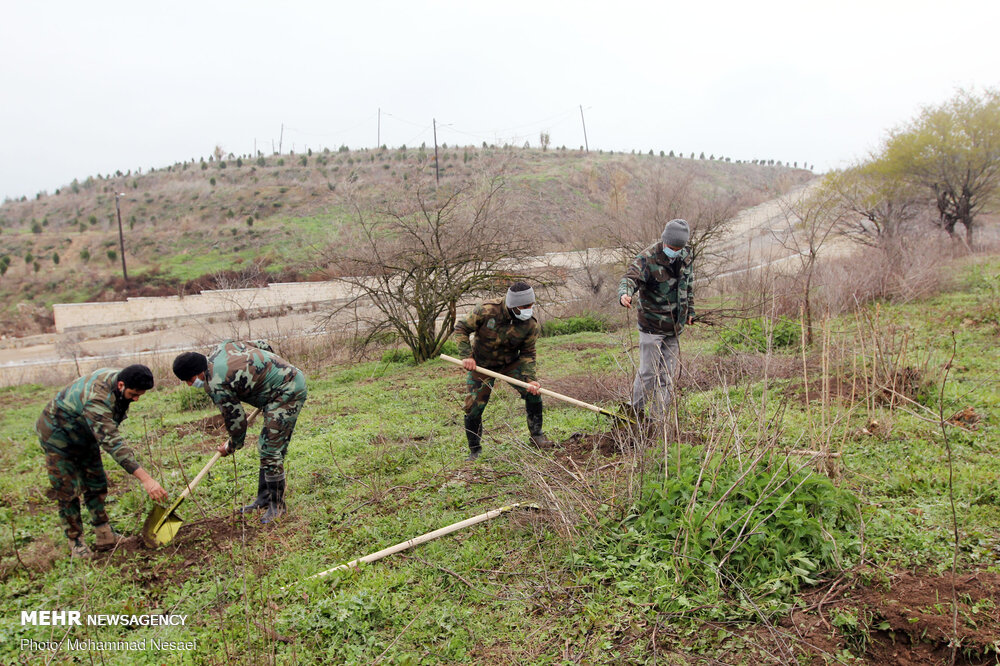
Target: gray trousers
[(658, 357)]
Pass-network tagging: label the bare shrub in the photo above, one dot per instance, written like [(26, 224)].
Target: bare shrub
[(419, 251)]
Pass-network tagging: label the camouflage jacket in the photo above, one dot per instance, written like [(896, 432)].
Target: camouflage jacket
[(246, 372), (86, 414), (500, 339), (665, 288)]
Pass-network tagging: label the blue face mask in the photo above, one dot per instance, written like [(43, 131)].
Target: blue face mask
[(671, 254), (198, 383)]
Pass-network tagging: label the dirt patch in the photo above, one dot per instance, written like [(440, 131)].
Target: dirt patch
[(582, 447), (704, 372), (195, 545), (907, 620), (905, 385), (597, 389), (967, 418), (580, 346), (37, 556), (211, 428), (834, 388)]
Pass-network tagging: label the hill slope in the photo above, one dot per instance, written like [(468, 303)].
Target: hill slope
[(190, 221)]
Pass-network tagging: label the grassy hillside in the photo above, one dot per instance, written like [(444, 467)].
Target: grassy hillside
[(189, 221), (714, 541)]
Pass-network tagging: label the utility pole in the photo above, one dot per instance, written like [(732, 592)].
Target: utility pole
[(584, 122), (121, 234), (282, 135), (378, 130), (437, 171)]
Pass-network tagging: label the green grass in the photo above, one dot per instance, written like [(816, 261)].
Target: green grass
[(377, 458)]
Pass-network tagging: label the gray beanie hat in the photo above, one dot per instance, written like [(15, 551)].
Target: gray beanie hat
[(676, 233), (518, 299)]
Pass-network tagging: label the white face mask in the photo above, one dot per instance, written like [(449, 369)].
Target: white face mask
[(525, 314), (198, 383)]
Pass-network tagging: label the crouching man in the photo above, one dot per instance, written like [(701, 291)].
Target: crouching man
[(505, 332), (73, 428), (250, 372)]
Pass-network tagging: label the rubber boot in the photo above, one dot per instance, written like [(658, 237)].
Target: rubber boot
[(275, 500), (262, 495), (78, 549), (538, 438), (474, 433), (107, 538)]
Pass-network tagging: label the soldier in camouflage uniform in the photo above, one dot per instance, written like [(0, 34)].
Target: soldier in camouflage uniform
[(73, 428), (251, 372), (662, 279), (505, 335)]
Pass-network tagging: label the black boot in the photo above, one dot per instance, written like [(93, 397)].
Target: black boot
[(538, 438), (276, 499), (261, 501), (474, 433)]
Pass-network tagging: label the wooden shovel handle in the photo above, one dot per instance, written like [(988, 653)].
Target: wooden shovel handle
[(196, 480), (518, 382), (204, 470)]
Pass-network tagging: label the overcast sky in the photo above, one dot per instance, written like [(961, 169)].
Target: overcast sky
[(93, 87)]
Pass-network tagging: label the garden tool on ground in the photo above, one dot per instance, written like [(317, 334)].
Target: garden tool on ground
[(430, 536)]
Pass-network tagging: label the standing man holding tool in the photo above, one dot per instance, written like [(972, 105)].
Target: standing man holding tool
[(251, 372), (73, 428), (660, 282), (505, 333)]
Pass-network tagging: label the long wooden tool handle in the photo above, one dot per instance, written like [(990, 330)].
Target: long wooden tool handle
[(518, 382), (416, 541), (204, 470), (196, 480)]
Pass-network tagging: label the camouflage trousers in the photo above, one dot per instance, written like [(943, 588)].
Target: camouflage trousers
[(280, 415), (69, 477), (480, 387), (658, 359)]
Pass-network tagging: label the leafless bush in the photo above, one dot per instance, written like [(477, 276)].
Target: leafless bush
[(703, 372), (419, 251)]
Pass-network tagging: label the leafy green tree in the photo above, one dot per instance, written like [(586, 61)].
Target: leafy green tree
[(954, 150)]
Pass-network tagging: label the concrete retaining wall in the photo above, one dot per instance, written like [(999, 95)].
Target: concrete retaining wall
[(224, 303)]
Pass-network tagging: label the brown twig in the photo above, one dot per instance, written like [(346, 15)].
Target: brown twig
[(272, 634)]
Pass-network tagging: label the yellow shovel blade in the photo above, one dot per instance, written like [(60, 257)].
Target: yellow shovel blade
[(161, 526)]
